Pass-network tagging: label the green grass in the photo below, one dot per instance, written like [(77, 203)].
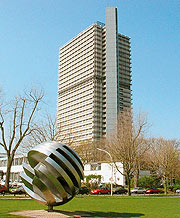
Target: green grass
[(102, 207)]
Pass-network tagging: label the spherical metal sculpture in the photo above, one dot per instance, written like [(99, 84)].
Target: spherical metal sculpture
[(54, 174)]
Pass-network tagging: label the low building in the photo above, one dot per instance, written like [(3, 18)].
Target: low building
[(15, 169), (108, 172)]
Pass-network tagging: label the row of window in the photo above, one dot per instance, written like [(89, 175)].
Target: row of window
[(78, 88), (81, 101), (79, 123), (76, 79), (16, 162), (69, 67), (74, 112), (85, 68), (95, 166), (84, 41), (69, 106), (75, 119), (80, 54), (79, 38)]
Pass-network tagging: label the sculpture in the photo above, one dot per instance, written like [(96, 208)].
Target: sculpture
[(54, 174)]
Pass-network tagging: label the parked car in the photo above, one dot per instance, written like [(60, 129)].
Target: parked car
[(84, 190), (16, 184), (120, 190), (138, 190), (178, 191), (154, 191), (18, 190), (103, 190), (3, 189), (2, 182)]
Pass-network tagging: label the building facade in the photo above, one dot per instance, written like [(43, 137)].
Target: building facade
[(106, 170), (16, 168), (94, 81)]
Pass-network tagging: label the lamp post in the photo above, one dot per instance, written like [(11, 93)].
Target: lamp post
[(111, 167)]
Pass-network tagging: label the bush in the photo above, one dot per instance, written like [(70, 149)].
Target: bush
[(149, 182), (93, 181), (132, 183), (175, 187)]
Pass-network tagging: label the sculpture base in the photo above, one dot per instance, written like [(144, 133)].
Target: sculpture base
[(46, 214), (50, 208)]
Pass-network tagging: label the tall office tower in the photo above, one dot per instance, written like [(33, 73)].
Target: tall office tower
[(94, 81)]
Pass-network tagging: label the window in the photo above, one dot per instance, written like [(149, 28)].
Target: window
[(96, 166)]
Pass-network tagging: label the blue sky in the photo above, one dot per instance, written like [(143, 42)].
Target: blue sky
[(31, 32)]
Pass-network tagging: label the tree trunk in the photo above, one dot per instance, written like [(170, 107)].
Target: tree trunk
[(165, 185), (136, 178), (8, 171), (128, 184)]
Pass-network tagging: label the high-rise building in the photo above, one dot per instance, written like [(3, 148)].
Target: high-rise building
[(94, 81)]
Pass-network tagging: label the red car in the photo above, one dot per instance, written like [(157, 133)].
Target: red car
[(103, 190), (3, 189), (154, 191)]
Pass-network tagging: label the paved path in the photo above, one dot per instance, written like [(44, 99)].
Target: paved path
[(46, 214)]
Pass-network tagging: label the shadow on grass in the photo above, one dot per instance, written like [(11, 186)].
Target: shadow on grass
[(99, 214)]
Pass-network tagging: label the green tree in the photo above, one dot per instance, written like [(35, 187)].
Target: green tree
[(148, 182)]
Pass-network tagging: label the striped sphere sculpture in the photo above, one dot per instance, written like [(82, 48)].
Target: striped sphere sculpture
[(53, 176)]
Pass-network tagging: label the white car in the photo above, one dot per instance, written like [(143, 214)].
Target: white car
[(178, 191), (138, 190), (16, 184), (18, 190), (2, 182)]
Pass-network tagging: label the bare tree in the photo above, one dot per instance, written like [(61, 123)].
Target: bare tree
[(16, 124), (87, 150), (127, 144), (141, 160), (164, 159), (43, 130)]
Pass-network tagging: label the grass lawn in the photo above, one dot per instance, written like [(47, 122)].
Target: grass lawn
[(101, 207)]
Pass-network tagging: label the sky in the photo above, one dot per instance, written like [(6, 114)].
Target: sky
[(32, 31)]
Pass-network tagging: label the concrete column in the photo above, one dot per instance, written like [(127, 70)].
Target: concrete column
[(111, 69)]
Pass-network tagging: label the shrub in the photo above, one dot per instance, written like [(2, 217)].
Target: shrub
[(148, 182), (93, 181), (132, 182)]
